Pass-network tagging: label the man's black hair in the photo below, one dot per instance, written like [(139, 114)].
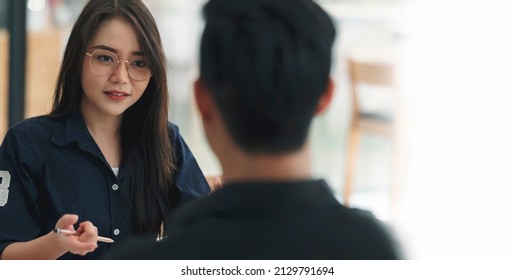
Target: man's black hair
[(266, 64)]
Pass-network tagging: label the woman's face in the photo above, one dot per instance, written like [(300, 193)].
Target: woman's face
[(110, 94)]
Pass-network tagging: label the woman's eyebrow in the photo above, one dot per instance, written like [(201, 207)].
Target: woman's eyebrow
[(104, 47)]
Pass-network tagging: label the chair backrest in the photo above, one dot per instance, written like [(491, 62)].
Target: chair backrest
[(379, 73), (369, 72)]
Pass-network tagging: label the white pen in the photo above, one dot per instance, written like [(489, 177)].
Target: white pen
[(69, 232)]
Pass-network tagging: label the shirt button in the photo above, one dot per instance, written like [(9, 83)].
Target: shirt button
[(116, 231), (115, 187)]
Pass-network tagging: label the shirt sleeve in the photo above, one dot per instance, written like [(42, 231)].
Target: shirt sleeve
[(190, 180), (18, 193)]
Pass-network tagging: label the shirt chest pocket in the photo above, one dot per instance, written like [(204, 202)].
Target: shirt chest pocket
[(77, 192)]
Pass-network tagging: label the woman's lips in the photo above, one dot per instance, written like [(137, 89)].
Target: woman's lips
[(116, 94)]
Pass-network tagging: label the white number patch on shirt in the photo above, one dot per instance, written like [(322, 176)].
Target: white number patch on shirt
[(5, 180)]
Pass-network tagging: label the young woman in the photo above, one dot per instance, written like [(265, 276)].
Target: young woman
[(105, 161)]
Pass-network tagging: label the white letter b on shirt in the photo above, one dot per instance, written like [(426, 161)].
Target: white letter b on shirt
[(5, 180)]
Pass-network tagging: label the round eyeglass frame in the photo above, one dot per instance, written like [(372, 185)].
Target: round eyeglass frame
[(115, 65)]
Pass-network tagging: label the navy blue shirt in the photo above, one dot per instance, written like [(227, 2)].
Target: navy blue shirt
[(50, 167)]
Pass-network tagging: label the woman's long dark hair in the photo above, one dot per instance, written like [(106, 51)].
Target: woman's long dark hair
[(147, 153)]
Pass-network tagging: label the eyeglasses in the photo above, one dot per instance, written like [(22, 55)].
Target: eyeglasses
[(103, 63)]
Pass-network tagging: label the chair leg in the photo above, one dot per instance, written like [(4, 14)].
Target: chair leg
[(352, 156), (397, 171)]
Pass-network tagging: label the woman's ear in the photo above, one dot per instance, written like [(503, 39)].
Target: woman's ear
[(325, 99)]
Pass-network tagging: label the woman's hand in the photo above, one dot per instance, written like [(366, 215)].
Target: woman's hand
[(53, 245), (83, 241), (215, 182)]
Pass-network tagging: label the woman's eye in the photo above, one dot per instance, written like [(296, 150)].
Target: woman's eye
[(139, 64), (105, 58)]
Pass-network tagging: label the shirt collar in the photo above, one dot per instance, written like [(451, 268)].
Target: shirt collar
[(248, 197), (73, 130)]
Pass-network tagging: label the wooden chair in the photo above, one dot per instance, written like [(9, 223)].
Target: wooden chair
[(379, 74)]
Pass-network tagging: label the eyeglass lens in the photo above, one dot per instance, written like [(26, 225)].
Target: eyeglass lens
[(104, 63)]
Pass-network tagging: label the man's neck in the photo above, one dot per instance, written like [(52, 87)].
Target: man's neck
[(240, 166)]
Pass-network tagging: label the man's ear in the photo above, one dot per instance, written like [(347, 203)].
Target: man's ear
[(203, 99), (325, 99)]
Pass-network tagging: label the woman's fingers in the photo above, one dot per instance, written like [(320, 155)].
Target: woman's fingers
[(88, 232), (84, 239), (215, 182), (67, 221)]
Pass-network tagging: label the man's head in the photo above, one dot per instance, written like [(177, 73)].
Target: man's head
[(266, 64)]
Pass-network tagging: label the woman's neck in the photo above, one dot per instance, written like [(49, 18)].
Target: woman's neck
[(105, 130)]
